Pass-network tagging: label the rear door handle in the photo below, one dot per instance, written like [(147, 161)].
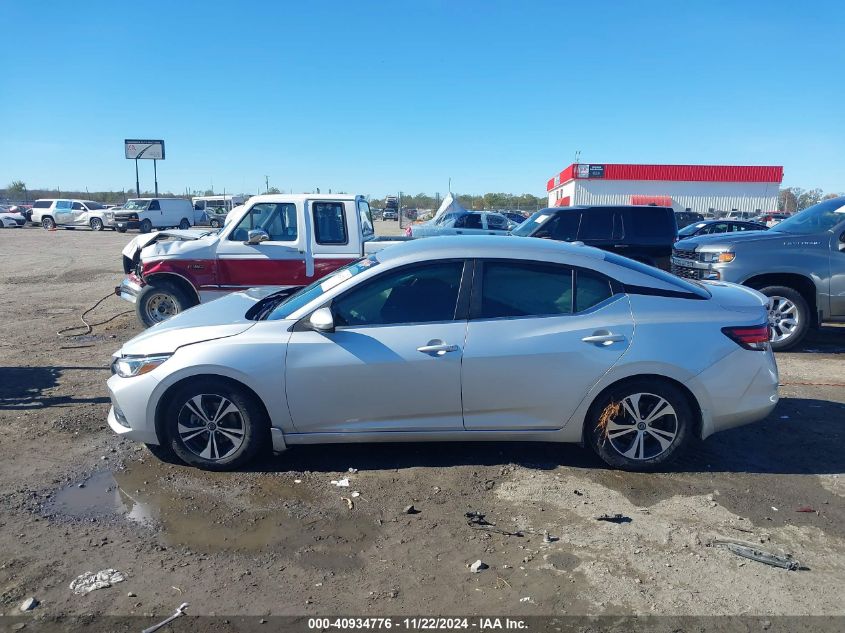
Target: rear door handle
[(437, 349), (603, 339)]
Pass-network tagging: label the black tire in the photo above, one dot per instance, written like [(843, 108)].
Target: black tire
[(120, 230), (184, 224), (160, 300), (96, 224), (215, 224), (779, 342), (649, 453), (48, 223), (146, 226), (249, 425)]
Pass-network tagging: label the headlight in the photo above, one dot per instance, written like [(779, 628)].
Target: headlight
[(717, 258), (128, 366)]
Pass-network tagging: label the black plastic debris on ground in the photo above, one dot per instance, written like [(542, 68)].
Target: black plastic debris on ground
[(613, 518)]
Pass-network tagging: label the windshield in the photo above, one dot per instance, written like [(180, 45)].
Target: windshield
[(816, 219), (136, 205), (320, 287), (526, 228), (692, 228)]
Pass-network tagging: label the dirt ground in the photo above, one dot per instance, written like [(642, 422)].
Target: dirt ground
[(280, 538)]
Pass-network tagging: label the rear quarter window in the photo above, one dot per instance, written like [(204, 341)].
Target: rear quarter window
[(650, 223)]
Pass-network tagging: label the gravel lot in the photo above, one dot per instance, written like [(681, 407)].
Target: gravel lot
[(280, 539)]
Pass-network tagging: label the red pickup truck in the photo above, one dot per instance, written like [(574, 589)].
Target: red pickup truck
[(274, 242)]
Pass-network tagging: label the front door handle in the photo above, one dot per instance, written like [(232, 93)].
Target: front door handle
[(603, 338), (437, 348)]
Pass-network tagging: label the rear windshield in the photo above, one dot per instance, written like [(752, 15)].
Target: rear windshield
[(42, 204), (682, 285)]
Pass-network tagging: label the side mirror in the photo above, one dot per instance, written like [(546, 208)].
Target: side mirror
[(842, 242), (256, 236), (321, 320)]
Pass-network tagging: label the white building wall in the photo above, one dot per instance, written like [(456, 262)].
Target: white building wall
[(698, 196), (567, 189)]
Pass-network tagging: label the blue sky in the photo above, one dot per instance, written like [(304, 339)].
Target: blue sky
[(375, 97)]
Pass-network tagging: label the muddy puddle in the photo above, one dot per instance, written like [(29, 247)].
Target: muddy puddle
[(212, 512)]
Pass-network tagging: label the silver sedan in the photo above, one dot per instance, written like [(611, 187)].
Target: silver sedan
[(409, 345)]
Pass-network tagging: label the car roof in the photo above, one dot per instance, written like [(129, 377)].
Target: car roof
[(300, 197), (583, 207)]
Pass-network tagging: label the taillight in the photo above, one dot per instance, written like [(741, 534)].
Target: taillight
[(755, 337)]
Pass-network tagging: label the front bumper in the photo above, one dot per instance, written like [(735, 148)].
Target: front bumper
[(127, 224), (132, 397), (128, 290)]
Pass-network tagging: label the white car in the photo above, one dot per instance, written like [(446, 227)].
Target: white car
[(71, 213), (597, 348), (469, 223), (11, 220)]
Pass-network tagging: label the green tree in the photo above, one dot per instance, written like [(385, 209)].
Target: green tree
[(788, 199), (16, 190), (809, 198), (273, 190)]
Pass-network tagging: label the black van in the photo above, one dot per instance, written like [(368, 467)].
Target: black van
[(643, 233)]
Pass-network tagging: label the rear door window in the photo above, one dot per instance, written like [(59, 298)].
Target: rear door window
[(596, 224), (469, 221), (590, 289), (522, 289)]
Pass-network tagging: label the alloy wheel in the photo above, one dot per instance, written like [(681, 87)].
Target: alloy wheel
[(645, 428), (211, 426), (784, 318)]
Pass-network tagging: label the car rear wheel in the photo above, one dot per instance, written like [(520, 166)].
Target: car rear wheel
[(184, 224), (146, 226), (215, 224), (789, 316), (96, 224), (214, 424), (160, 300), (48, 223), (640, 424)]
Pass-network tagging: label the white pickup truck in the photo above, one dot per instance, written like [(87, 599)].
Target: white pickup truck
[(274, 242)]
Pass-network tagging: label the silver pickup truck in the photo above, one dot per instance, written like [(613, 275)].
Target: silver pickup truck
[(799, 264)]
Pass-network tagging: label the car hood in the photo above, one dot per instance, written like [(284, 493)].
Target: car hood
[(217, 319), (721, 241), (139, 242)]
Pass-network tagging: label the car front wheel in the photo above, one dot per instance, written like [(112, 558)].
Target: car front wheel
[(214, 424), (160, 300), (640, 424)]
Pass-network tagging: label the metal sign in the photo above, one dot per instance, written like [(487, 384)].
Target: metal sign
[(139, 149), (589, 171)]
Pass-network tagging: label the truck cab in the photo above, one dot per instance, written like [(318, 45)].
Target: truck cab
[(799, 264), (274, 242)]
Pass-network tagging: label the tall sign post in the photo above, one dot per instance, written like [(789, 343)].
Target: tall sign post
[(136, 149)]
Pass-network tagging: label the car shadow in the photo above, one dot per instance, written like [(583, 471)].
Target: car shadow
[(829, 339), (802, 436), (23, 388)]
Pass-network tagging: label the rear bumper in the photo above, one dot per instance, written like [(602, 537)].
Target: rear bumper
[(739, 389)]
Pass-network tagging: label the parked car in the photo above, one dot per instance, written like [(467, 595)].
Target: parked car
[(516, 218), (598, 348), (708, 227), (72, 213), (685, 218), (467, 223), (643, 233), (275, 241), (799, 264), (146, 214), (390, 214), (212, 210), (24, 209), (39, 207), (770, 219), (10, 220)]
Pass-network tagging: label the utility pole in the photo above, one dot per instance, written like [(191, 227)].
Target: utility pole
[(266, 184)]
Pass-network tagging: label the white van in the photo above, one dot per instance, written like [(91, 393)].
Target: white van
[(146, 214), (73, 213)]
